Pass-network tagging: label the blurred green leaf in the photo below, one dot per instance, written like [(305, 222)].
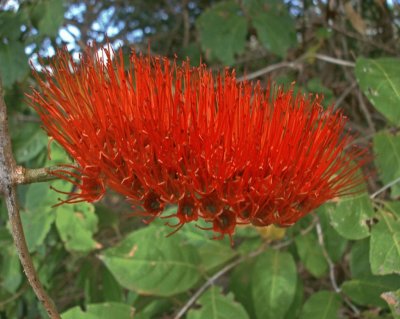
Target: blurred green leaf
[(385, 246), (151, 264), (76, 225), (349, 216), (37, 215), (223, 30), (10, 24), (240, 284), (29, 143), (13, 63), (380, 81), (387, 151), (154, 309), (311, 255), (10, 269), (273, 284), (297, 303), (359, 259), (98, 283), (393, 300), (101, 311), (215, 305), (275, 27), (321, 305), (48, 16)]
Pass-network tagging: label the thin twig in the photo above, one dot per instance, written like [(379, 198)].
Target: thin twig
[(327, 257), (15, 296), (332, 60), (385, 187), (7, 188), (268, 69), (345, 93), (365, 111), (223, 271), (207, 284), (294, 65), (331, 265)]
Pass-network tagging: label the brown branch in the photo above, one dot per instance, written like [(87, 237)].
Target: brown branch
[(22, 175), (7, 188)]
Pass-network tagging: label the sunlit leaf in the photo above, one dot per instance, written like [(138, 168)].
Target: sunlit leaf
[(385, 246), (349, 217), (151, 264), (76, 225), (380, 82)]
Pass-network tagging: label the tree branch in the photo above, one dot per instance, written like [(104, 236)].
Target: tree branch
[(7, 188), (22, 175)]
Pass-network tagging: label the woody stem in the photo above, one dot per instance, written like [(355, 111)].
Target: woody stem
[(8, 189)]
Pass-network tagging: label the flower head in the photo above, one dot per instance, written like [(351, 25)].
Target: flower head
[(161, 133)]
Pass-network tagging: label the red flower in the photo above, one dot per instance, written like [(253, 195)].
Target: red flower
[(224, 152)]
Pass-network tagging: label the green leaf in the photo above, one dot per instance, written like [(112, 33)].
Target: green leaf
[(297, 303), (321, 305), (393, 300), (10, 24), (101, 311), (214, 305), (359, 259), (151, 264), (223, 31), (76, 225), (380, 81), (154, 309), (275, 28), (213, 253), (349, 217), (37, 225), (29, 143), (367, 290), (37, 215), (240, 285), (385, 246), (13, 63), (311, 254), (334, 243), (10, 270), (98, 284), (48, 16), (273, 284), (387, 150)]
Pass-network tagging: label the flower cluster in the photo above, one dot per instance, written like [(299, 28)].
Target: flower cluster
[(161, 133)]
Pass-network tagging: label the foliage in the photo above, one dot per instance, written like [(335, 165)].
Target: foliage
[(98, 262)]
